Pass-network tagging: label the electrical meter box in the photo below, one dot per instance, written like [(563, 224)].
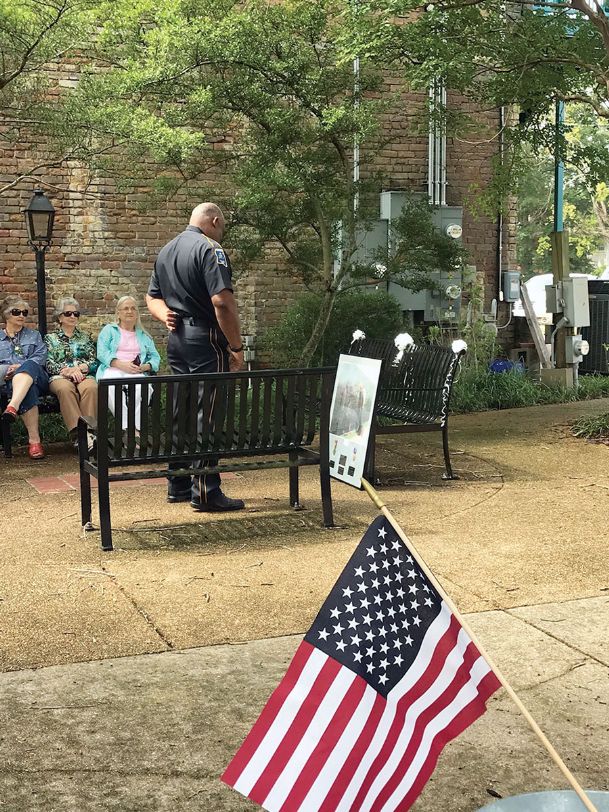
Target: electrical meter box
[(570, 297), (511, 286), (575, 301), (442, 302)]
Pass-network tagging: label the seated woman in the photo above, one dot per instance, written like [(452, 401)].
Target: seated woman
[(71, 363), (23, 375), (125, 349)]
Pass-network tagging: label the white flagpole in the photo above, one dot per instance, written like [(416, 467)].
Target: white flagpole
[(432, 579)]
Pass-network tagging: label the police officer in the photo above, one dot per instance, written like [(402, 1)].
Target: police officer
[(191, 292)]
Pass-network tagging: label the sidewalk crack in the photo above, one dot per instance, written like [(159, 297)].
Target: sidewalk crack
[(139, 609)]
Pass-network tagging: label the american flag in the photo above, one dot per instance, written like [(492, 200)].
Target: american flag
[(385, 677)]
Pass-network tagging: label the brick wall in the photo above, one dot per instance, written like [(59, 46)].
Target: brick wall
[(104, 244)]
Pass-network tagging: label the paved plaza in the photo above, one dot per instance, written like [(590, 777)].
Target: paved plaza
[(130, 678)]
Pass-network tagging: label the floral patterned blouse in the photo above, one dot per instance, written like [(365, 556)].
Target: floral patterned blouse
[(68, 351)]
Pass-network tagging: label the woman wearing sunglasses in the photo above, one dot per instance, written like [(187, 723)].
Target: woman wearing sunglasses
[(23, 375), (72, 363)]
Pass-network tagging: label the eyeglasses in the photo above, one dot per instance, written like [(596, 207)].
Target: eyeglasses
[(71, 313), (16, 312)]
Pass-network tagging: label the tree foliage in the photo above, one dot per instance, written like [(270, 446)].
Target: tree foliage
[(35, 35), (254, 104), (528, 53)]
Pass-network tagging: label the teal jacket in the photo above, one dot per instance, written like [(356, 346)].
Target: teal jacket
[(107, 345)]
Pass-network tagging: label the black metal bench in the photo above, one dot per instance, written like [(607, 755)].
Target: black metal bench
[(414, 391), (48, 404), (265, 413)]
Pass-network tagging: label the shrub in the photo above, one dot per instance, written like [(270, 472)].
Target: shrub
[(378, 314)]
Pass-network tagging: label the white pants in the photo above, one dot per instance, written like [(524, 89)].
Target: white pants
[(112, 372)]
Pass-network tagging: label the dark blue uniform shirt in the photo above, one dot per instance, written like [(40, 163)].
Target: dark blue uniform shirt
[(188, 271)]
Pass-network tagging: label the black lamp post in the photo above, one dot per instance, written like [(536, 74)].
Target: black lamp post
[(39, 216)]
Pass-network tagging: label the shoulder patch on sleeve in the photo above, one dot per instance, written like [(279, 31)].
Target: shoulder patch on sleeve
[(221, 256)]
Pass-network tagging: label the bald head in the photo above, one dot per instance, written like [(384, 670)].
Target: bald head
[(209, 218)]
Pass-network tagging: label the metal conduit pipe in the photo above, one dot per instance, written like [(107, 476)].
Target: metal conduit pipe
[(443, 181), (500, 217)]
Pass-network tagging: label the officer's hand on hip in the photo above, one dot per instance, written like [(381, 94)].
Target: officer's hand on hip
[(171, 320), (235, 361)]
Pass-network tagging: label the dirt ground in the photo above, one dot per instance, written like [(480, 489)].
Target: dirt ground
[(519, 541)]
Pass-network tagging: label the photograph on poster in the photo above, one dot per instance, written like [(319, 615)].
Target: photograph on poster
[(351, 416)]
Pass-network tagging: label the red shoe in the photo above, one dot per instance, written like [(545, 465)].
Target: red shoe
[(35, 450), (10, 413)]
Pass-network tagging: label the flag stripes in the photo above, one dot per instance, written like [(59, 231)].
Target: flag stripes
[(328, 742)]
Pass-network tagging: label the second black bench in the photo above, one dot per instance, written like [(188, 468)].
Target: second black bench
[(414, 391), (264, 415)]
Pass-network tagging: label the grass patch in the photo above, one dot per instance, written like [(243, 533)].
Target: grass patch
[(477, 389), (594, 427)]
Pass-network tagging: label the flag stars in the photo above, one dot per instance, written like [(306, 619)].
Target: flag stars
[(350, 607), (402, 608), (364, 603), (414, 605), (370, 551), (385, 564), (383, 678), (352, 623), (370, 651), (370, 635), (387, 580), (391, 611), (338, 629), (413, 589), (341, 645), (384, 648), (398, 660), (359, 572), (356, 640), (375, 584), (377, 599), (428, 602), (324, 634), (382, 533), (358, 656), (380, 615), (347, 592), (416, 620), (383, 664), (412, 573), (396, 545), (367, 620), (397, 643), (362, 587), (399, 577), (382, 632), (400, 592), (334, 613), (374, 568), (370, 668), (408, 640), (383, 548)]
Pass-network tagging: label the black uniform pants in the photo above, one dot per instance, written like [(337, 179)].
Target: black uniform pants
[(193, 348)]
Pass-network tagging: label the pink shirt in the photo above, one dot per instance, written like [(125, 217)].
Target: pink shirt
[(128, 347)]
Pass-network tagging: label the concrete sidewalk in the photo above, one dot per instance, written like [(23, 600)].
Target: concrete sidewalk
[(520, 542)]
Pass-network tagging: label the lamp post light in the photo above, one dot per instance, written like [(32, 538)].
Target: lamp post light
[(39, 217)]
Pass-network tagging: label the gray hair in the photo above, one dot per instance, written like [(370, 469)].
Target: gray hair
[(12, 301), (61, 303), (121, 302)]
